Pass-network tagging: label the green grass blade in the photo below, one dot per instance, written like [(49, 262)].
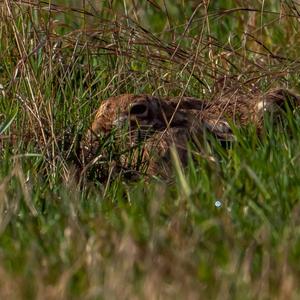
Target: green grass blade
[(6, 124)]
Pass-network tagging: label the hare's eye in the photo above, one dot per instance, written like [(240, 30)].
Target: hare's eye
[(139, 109)]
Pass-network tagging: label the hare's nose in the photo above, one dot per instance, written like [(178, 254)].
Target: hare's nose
[(139, 110)]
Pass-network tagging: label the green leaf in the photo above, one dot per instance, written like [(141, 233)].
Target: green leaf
[(5, 125)]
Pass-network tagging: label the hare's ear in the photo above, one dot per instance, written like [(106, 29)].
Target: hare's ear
[(188, 103), (282, 98), (220, 128)]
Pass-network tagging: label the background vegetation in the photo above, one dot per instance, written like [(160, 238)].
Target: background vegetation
[(229, 230)]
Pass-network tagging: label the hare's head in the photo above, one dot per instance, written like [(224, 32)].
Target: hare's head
[(141, 113), (128, 121)]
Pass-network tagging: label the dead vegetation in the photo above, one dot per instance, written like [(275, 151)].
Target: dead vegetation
[(222, 230)]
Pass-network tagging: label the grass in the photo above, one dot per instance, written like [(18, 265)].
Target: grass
[(223, 230)]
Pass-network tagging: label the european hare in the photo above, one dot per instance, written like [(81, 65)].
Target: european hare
[(154, 125), (146, 125)]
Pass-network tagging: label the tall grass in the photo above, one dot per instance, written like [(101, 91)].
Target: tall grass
[(221, 230)]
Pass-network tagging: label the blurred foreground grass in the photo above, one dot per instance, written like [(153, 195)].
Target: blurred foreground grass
[(228, 230)]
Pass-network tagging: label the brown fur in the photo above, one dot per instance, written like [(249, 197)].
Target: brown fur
[(156, 124)]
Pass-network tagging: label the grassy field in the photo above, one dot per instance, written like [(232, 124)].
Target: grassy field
[(224, 230)]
